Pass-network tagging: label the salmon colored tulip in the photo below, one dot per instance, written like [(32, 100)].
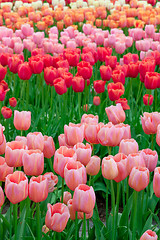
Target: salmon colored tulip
[(74, 133), (84, 198), (3, 146), (57, 217), (21, 139), (93, 166), (1, 134), (35, 140), (1, 197), (121, 161), (150, 122), (71, 210), (128, 146), (151, 158), (14, 153), (66, 197), (134, 160), (115, 114), (38, 188), (123, 102), (89, 118), (83, 152), (61, 157), (158, 135), (91, 132), (62, 141), (52, 181), (74, 174), (49, 147), (16, 187), (139, 178), (33, 162), (4, 169), (149, 235), (109, 168), (22, 120)]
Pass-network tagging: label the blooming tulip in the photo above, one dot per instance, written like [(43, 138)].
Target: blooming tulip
[(128, 146), (4, 169), (150, 122), (134, 160), (49, 147), (115, 90), (90, 118), (121, 161), (150, 157), (109, 168), (1, 197), (74, 133), (35, 140), (22, 120), (139, 178), (38, 188), (149, 235), (52, 181), (83, 152), (115, 114), (93, 166), (84, 69), (106, 72), (24, 71)]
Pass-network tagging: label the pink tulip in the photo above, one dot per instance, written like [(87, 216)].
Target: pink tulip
[(57, 217), (149, 235), (1, 197), (139, 178), (134, 160), (150, 157), (14, 153), (121, 161), (66, 197), (61, 157), (49, 147), (115, 114), (93, 166), (74, 174), (62, 141), (38, 188), (83, 152), (16, 187), (89, 119), (21, 139), (4, 169), (27, 30), (35, 140), (150, 122), (3, 146), (52, 181), (22, 120), (109, 168), (156, 181), (84, 198), (1, 134), (128, 146), (74, 133), (91, 132)]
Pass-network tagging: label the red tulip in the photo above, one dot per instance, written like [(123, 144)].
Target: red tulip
[(129, 57), (13, 63), (6, 112), (118, 76), (96, 100), (85, 70), (3, 71), (133, 69), (147, 65), (148, 99), (24, 71), (67, 76), (36, 64), (60, 86), (13, 102), (99, 86), (78, 84), (50, 73), (124, 103), (115, 90), (111, 61), (103, 52), (72, 56), (152, 80), (106, 72)]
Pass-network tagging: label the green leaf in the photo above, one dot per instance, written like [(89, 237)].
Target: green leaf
[(148, 224), (21, 226), (100, 186)]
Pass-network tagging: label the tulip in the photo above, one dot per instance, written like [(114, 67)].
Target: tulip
[(16, 187), (133, 69), (1, 134), (89, 119), (14, 153), (6, 112), (24, 71), (134, 160), (111, 61), (150, 158), (156, 181), (103, 52), (3, 71), (50, 74), (21, 139), (4, 169), (35, 140), (62, 141), (96, 100), (74, 174), (115, 114), (38, 188), (52, 181), (78, 84), (33, 162), (150, 122), (99, 86), (3, 146), (152, 80), (115, 90), (13, 102), (13, 63), (84, 198), (57, 217), (2, 92), (121, 161), (149, 235), (61, 157), (128, 146), (118, 76), (74, 133), (106, 72), (91, 131), (49, 147), (72, 56), (147, 65), (1, 197), (83, 152), (84, 69), (22, 120), (36, 63), (148, 99), (109, 168), (123, 102), (93, 166), (60, 86), (139, 178)]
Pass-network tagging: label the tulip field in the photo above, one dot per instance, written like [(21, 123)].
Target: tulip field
[(80, 120)]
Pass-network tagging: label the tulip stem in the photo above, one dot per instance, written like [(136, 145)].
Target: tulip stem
[(134, 209), (90, 180), (113, 209), (15, 208), (107, 186), (152, 141), (62, 190), (84, 226), (123, 193), (10, 226), (139, 88), (155, 99), (117, 204), (38, 221), (76, 226), (79, 104)]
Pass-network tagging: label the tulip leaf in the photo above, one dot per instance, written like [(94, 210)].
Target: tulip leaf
[(99, 186), (126, 212), (147, 224)]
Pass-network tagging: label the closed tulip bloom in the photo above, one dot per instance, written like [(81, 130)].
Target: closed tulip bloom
[(61, 157), (22, 120), (96, 100), (84, 198), (123, 102), (84, 69), (4, 169), (115, 91), (139, 178), (6, 112), (89, 118), (33, 162), (38, 189), (150, 157), (128, 146), (74, 174), (50, 73), (13, 102), (66, 197), (149, 235), (52, 181), (156, 181), (71, 210), (109, 168), (62, 141), (134, 160), (36, 63), (35, 140), (115, 114), (24, 71), (121, 161), (118, 76), (3, 146), (91, 131), (1, 134), (74, 133), (93, 166), (78, 84), (106, 72), (111, 61), (49, 147), (133, 69), (1, 197), (150, 122), (57, 217), (148, 99), (21, 139), (60, 86), (14, 153), (16, 187), (151, 80), (83, 152), (99, 86)]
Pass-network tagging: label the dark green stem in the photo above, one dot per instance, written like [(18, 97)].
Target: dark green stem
[(62, 190), (107, 186), (84, 226), (38, 219), (113, 210), (134, 209), (15, 208)]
